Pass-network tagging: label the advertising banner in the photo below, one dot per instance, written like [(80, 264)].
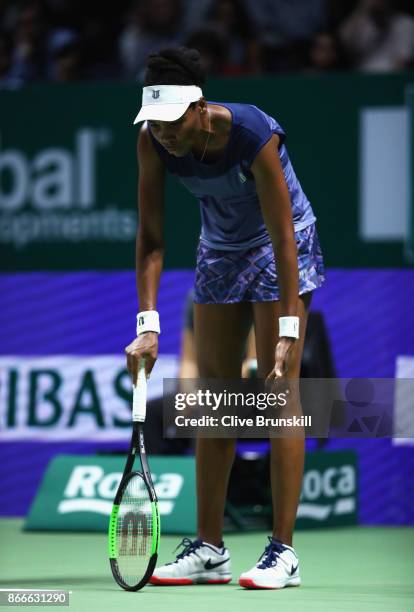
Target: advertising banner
[(62, 188), (329, 494), (68, 177), (70, 397), (77, 492)]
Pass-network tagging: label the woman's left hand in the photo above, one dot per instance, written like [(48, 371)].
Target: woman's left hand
[(282, 357)]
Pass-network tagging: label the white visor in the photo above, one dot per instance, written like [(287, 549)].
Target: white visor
[(167, 102)]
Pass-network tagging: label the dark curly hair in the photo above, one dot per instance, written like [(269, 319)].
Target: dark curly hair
[(175, 66)]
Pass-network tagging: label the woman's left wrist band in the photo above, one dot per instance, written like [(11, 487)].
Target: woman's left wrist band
[(148, 321), (289, 327)]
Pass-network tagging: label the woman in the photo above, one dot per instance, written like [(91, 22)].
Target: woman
[(233, 158)]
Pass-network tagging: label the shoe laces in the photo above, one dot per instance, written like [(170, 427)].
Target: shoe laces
[(190, 546), (271, 553)]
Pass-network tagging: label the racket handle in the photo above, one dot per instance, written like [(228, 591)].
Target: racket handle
[(139, 397)]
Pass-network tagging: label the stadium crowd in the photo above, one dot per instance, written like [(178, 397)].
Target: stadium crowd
[(74, 40)]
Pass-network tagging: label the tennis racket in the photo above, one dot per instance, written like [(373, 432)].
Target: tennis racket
[(134, 527)]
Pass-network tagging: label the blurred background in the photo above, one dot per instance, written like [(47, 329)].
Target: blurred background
[(339, 77), (70, 40)]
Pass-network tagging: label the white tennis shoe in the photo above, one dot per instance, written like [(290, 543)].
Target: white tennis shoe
[(198, 563), (278, 567)]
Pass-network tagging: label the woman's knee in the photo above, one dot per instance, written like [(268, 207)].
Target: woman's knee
[(217, 445)]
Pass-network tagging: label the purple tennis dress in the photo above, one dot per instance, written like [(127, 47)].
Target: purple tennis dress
[(235, 259)]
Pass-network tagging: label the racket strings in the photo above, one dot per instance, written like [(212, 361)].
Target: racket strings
[(134, 531)]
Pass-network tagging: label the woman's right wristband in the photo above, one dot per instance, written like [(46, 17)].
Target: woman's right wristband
[(148, 321)]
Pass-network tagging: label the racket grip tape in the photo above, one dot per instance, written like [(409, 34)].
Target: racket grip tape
[(139, 397)]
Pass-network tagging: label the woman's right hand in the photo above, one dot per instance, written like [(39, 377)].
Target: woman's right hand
[(145, 346)]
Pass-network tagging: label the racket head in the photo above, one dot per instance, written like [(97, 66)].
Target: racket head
[(134, 533)]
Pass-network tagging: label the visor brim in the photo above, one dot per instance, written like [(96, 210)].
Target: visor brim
[(161, 112)]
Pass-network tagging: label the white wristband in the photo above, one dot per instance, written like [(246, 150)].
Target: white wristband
[(289, 327), (148, 321)]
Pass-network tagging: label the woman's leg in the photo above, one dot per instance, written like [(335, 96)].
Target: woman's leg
[(220, 332), (287, 454)]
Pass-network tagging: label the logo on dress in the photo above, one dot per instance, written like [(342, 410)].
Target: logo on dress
[(155, 93), (242, 178)]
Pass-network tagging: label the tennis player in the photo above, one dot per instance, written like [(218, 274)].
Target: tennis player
[(258, 255)]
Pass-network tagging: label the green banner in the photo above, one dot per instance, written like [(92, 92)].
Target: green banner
[(68, 177), (329, 495), (68, 169), (410, 238), (77, 492)]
